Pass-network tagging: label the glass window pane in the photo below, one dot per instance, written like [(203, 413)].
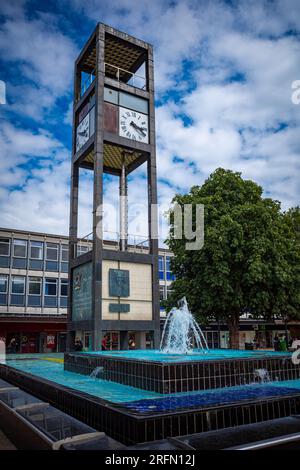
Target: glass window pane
[(3, 284), (133, 102), (64, 253), (64, 287), (36, 250), (111, 95), (52, 252), (161, 263), (35, 285), (18, 285), (50, 286), (4, 246), (161, 292), (19, 248), (92, 121), (81, 249)]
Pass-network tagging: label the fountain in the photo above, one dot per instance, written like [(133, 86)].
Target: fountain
[(181, 388), (262, 375), (181, 332)]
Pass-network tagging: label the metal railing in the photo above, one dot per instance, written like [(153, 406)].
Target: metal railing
[(111, 240), (137, 81)]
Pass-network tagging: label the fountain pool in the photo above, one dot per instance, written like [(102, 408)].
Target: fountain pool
[(143, 395)]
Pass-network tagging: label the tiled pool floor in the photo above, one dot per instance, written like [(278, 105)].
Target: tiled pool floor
[(139, 400)]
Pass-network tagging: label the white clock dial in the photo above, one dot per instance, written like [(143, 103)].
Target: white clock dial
[(83, 132), (133, 125)]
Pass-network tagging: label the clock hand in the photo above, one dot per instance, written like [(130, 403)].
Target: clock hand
[(139, 129)]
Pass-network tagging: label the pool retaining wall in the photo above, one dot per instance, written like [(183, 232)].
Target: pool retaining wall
[(164, 377)]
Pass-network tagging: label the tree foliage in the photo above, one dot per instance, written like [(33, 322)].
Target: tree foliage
[(250, 261)]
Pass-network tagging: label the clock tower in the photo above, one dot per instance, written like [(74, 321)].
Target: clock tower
[(114, 287)]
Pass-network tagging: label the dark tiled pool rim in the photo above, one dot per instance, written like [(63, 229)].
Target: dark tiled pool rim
[(176, 377), (130, 428)]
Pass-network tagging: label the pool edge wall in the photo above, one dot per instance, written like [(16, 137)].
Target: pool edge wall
[(166, 377), (129, 428)]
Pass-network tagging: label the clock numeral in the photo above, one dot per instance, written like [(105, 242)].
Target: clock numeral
[(133, 114), (128, 134), (122, 123), (124, 128), (128, 113)]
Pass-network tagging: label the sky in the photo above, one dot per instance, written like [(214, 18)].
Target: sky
[(223, 78)]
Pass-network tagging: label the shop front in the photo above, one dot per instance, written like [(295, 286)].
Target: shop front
[(35, 337)]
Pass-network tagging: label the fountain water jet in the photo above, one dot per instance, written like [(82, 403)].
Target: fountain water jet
[(180, 330)]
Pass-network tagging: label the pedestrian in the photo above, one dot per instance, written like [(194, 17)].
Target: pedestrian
[(276, 343), (12, 347), (78, 345), (104, 343)]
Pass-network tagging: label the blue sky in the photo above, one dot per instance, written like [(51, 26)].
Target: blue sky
[(223, 76)]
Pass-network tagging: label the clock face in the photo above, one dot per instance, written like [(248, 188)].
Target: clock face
[(82, 133), (133, 125)]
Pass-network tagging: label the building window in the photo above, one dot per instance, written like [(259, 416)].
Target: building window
[(50, 298), (169, 291), (19, 254), (169, 275), (36, 250), (35, 286), (3, 289), (19, 248), (161, 267), (51, 287), (81, 249), (64, 293), (51, 257), (4, 252), (64, 287), (17, 290), (4, 246), (64, 258), (18, 285), (162, 293), (34, 291)]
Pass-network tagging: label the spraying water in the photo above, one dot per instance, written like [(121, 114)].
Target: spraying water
[(181, 332), (262, 375), (97, 373)]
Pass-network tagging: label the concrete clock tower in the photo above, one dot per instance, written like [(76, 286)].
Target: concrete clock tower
[(114, 287)]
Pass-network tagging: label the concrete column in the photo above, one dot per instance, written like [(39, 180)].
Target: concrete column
[(123, 208)]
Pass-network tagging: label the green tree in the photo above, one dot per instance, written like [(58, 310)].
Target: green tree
[(250, 259)]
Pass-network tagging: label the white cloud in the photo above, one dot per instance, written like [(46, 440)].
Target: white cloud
[(201, 47)]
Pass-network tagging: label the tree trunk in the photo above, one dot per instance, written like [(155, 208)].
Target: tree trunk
[(234, 337)]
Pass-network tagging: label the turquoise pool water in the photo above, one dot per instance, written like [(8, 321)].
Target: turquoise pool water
[(143, 400), (196, 355)]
